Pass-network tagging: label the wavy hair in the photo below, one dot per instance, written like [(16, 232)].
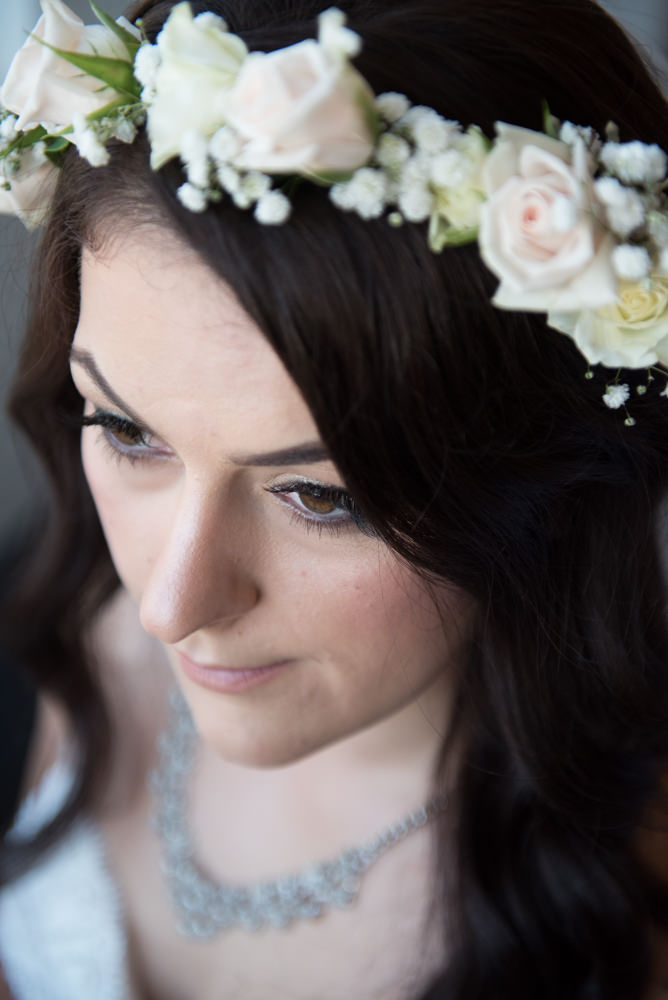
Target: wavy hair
[(478, 451)]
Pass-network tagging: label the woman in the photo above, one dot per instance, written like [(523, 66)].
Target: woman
[(395, 543)]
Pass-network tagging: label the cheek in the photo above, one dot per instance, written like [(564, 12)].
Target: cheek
[(131, 522), (377, 619)]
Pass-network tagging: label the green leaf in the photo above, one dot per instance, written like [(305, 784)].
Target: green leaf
[(550, 123), (25, 139), (57, 145), (115, 73), (131, 43)]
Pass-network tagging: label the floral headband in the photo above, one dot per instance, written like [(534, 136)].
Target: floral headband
[(572, 225)]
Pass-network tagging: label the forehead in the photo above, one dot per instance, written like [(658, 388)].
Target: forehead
[(169, 334)]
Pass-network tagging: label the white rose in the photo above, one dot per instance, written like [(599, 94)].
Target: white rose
[(632, 333), (31, 192), (300, 111), (41, 87), (537, 231), (199, 61)]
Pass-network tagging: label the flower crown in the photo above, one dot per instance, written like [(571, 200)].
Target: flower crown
[(571, 224)]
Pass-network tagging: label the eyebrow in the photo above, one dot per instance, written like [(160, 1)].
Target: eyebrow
[(309, 453)]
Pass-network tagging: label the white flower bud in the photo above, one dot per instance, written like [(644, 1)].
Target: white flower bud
[(631, 263), (616, 395), (272, 208)]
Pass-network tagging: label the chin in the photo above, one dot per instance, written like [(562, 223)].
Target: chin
[(249, 737)]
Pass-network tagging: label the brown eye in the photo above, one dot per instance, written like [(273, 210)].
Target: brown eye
[(128, 436), (318, 504)]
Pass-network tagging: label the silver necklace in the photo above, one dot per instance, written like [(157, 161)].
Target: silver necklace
[(204, 907)]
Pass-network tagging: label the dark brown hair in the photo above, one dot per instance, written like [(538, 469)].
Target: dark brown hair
[(475, 447)]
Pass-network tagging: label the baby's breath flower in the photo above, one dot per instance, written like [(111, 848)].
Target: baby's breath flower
[(367, 192), (228, 178), (570, 134), (194, 153), (635, 162), (8, 128), (416, 203), (616, 395), (224, 144), (124, 130), (210, 21), (147, 62), (392, 106), (334, 37), (625, 208), (630, 262), (272, 208), (90, 147), (192, 197), (341, 197), (657, 223), (430, 131), (450, 169), (255, 185), (392, 151)]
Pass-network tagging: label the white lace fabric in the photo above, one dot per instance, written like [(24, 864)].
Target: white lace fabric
[(61, 926)]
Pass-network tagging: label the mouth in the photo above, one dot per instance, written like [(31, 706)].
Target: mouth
[(228, 680)]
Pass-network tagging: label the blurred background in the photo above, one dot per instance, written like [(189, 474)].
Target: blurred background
[(646, 21)]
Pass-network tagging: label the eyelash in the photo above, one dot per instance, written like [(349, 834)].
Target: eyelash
[(349, 514), (113, 424)]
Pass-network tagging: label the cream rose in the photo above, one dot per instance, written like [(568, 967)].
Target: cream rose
[(301, 110), (199, 61), (31, 191), (632, 333), (538, 234), (41, 87)]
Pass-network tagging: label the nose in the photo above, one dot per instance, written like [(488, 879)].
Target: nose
[(202, 574)]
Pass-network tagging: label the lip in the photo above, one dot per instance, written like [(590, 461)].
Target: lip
[(228, 680)]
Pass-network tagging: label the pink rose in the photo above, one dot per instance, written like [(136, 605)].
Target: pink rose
[(43, 89), (301, 110), (538, 233)]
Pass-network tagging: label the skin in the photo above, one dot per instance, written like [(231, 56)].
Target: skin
[(228, 562)]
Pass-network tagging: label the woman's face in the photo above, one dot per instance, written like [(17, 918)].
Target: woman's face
[(287, 626)]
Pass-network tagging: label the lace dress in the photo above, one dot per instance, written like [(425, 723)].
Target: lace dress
[(61, 926)]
